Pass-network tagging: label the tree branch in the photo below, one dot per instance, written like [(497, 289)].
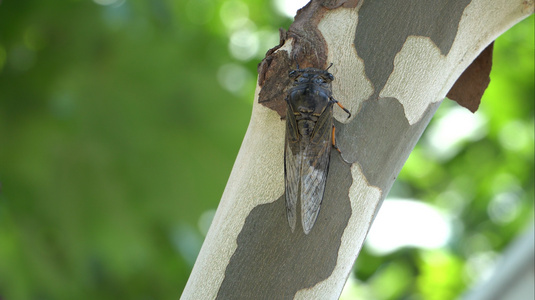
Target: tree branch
[(394, 62)]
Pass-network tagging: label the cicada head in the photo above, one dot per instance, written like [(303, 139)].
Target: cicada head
[(314, 76)]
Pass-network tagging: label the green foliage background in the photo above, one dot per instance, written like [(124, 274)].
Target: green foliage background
[(119, 125)]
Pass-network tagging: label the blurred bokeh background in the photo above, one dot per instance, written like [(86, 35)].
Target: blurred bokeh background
[(120, 121)]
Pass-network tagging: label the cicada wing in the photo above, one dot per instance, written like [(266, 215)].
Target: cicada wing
[(292, 168), (315, 168)]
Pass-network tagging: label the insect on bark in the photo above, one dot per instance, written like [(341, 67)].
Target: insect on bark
[(309, 139)]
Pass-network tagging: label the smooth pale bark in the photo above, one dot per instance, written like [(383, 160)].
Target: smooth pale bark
[(394, 62)]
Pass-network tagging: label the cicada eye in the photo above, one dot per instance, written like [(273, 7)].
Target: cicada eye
[(330, 76)]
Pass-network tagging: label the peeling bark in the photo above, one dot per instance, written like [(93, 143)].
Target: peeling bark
[(471, 85), (308, 49)]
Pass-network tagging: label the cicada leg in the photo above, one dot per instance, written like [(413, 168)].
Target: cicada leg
[(334, 140), (342, 107)]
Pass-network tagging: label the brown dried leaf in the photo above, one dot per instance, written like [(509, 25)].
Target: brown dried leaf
[(470, 86)]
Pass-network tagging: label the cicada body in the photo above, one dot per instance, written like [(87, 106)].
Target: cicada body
[(309, 139)]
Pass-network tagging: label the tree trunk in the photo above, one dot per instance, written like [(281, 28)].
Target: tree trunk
[(393, 62)]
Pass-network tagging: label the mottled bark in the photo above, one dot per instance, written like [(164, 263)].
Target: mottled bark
[(393, 62)]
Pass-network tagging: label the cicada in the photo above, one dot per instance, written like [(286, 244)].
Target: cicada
[(309, 139)]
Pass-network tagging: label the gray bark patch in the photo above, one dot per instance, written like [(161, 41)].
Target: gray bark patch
[(271, 262), (383, 139), (377, 43)]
